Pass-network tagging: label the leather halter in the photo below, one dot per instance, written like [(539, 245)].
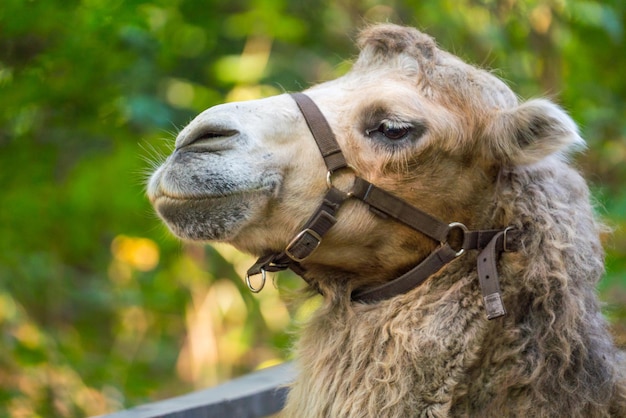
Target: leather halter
[(382, 203)]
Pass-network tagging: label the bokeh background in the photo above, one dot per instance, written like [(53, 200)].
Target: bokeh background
[(100, 308)]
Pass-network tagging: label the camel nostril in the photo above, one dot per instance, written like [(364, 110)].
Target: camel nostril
[(207, 139), (211, 135), (215, 134)]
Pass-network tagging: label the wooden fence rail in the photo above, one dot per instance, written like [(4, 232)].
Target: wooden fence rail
[(258, 394)]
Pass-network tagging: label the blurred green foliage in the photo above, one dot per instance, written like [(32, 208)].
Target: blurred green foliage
[(100, 308)]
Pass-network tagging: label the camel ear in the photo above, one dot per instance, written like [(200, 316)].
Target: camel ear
[(532, 131)]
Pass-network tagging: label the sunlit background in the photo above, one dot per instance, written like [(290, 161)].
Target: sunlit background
[(100, 308)]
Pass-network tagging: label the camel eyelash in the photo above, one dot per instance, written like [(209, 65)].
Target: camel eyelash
[(389, 124), (394, 131)]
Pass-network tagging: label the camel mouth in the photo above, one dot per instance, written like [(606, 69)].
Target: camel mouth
[(210, 217), (201, 219), (164, 198), (161, 191), (164, 203)]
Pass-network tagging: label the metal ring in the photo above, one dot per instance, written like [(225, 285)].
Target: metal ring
[(463, 228), (256, 289), (329, 174)]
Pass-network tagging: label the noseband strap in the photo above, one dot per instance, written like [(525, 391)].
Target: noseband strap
[(382, 203)]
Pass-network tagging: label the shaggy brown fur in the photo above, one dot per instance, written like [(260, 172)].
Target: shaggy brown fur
[(475, 156), (431, 352)]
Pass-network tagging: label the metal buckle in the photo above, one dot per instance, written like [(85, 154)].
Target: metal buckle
[(507, 229), (256, 289), (295, 241), (464, 229)]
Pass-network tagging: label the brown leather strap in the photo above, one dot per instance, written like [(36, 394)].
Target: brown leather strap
[(310, 236), (322, 220), (307, 240), (410, 280), (488, 276), (493, 242), (321, 131), (400, 210), (478, 240)]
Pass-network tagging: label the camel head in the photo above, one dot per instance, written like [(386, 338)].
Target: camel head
[(410, 118)]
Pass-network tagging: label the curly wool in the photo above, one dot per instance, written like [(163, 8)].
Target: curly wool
[(432, 352)]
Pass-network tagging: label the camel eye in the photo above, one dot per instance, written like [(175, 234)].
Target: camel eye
[(391, 130)]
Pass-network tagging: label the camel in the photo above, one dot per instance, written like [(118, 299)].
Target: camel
[(425, 130)]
